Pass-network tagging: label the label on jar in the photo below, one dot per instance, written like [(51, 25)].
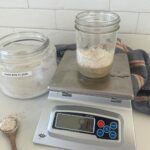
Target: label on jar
[(17, 75)]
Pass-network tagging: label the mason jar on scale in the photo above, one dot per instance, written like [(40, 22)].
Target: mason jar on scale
[(96, 34)]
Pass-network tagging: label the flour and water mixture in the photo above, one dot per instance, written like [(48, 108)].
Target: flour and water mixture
[(94, 63)]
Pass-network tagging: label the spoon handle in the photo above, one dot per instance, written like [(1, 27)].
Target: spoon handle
[(12, 139)]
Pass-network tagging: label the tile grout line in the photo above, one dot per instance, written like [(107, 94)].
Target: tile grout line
[(30, 8), (67, 30), (55, 19), (32, 28), (136, 29), (27, 3), (109, 4)]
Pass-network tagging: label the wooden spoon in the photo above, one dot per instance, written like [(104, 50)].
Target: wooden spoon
[(9, 127)]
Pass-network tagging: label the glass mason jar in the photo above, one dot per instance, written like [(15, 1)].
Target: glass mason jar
[(27, 64), (96, 34)]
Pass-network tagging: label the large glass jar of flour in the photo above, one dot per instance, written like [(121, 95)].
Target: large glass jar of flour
[(27, 64), (96, 33)]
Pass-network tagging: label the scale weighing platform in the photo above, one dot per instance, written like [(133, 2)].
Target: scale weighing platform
[(84, 114)]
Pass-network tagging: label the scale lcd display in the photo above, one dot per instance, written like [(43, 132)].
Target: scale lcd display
[(75, 123)]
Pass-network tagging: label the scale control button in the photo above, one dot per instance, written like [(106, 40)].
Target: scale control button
[(100, 123), (113, 125), (106, 129), (112, 135), (100, 133)]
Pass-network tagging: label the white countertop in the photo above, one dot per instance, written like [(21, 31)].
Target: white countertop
[(28, 113)]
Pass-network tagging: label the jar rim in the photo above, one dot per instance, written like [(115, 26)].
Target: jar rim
[(20, 36), (82, 18)]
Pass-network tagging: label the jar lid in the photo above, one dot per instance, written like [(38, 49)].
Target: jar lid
[(21, 45)]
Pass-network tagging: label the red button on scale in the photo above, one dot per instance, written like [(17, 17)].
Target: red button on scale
[(100, 123)]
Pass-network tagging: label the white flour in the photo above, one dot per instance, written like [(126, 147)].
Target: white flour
[(27, 79), (94, 63)]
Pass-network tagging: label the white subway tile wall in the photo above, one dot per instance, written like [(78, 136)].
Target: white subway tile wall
[(65, 19), (45, 4), (130, 5), (128, 22), (13, 4), (56, 36), (144, 23), (70, 4), (55, 18), (27, 18)]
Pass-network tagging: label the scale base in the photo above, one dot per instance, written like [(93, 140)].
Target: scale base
[(127, 142)]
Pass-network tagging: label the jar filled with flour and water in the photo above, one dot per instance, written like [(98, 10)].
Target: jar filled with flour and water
[(96, 34), (27, 64)]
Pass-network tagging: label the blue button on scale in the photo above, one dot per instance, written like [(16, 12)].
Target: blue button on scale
[(113, 125), (112, 135), (106, 129), (100, 133)]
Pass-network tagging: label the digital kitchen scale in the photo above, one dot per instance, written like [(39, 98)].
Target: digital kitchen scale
[(85, 114)]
